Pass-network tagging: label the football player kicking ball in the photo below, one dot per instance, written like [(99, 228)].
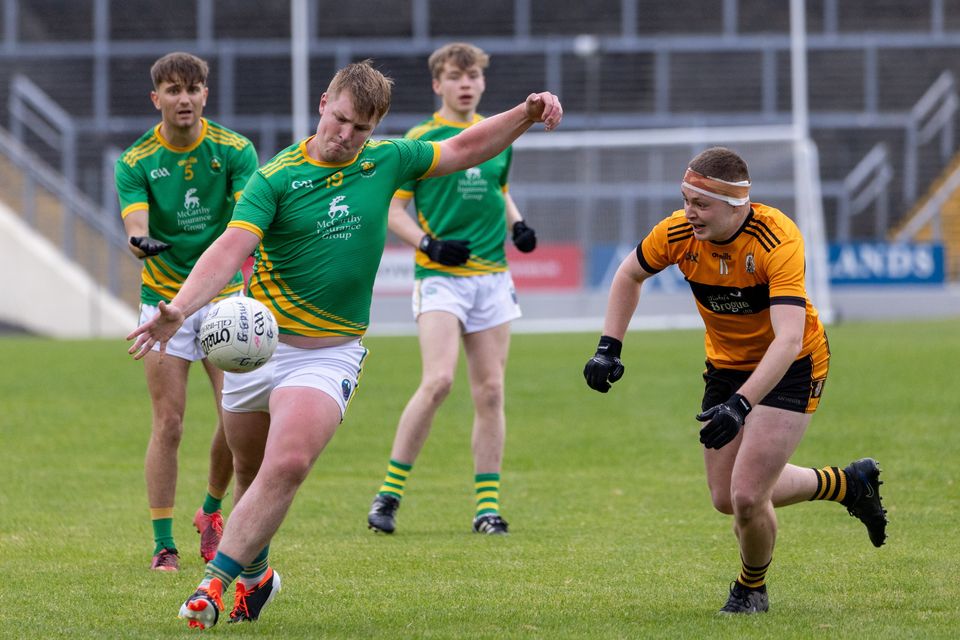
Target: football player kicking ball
[(767, 360), (317, 217)]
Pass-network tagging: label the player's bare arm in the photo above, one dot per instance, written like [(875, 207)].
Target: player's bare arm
[(213, 270), (492, 135), (511, 211), (605, 367), (624, 296)]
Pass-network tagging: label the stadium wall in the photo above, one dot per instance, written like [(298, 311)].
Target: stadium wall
[(47, 295)]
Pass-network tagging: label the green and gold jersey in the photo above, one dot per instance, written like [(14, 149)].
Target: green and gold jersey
[(322, 230), (735, 282), (189, 194), (467, 205)]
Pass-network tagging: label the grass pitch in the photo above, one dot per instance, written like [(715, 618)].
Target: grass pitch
[(612, 532)]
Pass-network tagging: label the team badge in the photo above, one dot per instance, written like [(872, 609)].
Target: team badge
[(346, 388), (816, 387), (367, 167), (751, 263), (216, 166)]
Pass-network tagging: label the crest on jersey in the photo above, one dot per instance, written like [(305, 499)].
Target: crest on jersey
[(751, 263), (216, 165), (338, 210), (191, 201), (367, 167)]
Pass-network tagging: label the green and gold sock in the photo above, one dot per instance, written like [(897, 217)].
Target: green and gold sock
[(252, 574), (487, 488), (831, 484), (223, 567), (395, 481), (162, 521)]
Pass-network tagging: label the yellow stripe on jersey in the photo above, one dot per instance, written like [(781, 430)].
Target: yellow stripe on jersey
[(243, 224), (421, 130), (295, 314), (436, 122), (141, 151), (136, 206), (425, 224), (403, 193), (166, 283), (436, 160), (473, 267), (433, 165), (291, 158), (229, 140)]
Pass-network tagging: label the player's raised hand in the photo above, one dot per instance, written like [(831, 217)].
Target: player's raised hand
[(157, 330), (544, 107)]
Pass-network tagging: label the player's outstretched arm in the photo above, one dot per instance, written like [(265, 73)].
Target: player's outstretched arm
[(605, 367), (213, 270), (492, 135)]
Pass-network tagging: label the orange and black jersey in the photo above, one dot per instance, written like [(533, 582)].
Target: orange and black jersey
[(735, 282)]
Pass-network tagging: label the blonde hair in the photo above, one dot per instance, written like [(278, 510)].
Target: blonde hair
[(179, 66), (461, 54), (369, 89)]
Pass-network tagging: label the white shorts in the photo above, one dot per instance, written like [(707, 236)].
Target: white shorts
[(479, 302), (333, 370), (186, 341)]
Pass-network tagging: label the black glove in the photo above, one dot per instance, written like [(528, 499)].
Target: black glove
[(449, 252), (725, 421), (524, 237), (604, 368), (148, 245)]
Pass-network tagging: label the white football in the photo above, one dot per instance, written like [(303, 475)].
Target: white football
[(239, 334)]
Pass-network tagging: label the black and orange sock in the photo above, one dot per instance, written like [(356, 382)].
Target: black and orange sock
[(831, 484), (753, 577)]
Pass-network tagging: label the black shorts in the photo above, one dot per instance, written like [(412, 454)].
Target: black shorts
[(799, 390)]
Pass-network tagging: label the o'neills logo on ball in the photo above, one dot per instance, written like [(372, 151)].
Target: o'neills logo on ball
[(214, 338)]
